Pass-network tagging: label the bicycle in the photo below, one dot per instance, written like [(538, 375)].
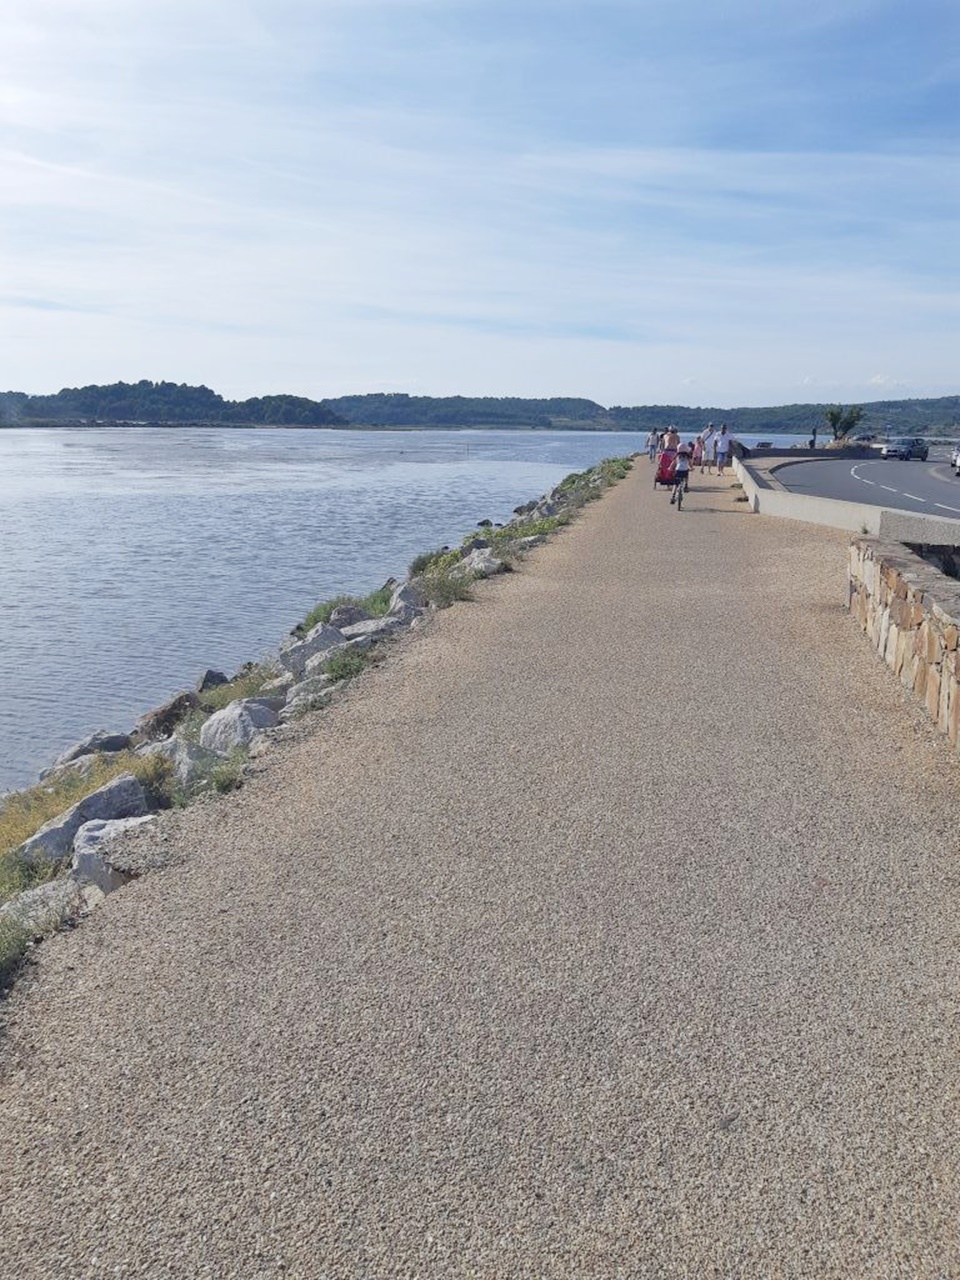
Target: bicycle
[(680, 486)]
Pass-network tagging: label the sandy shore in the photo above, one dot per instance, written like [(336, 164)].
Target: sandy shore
[(610, 928)]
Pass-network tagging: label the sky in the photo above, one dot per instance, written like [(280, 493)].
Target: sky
[(636, 201)]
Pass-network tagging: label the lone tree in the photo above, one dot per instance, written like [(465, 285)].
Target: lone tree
[(842, 421)]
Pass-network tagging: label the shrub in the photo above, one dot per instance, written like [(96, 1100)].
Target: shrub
[(346, 664), (14, 941), (442, 588), (227, 775)]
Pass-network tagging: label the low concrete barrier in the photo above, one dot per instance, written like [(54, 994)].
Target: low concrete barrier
[(767, 496), (910, 611)]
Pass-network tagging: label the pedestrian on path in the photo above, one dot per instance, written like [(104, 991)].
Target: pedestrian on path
[(653, 439), (709, 448), (696, 457), (724, 440), (672, 438)]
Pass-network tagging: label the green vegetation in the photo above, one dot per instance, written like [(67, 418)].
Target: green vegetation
[(14, 941), (162, 402), (346, 664), (23, 813), (246, 685), (227, 775), (168, 402), (443, 588), (376, 604), (842, 421)]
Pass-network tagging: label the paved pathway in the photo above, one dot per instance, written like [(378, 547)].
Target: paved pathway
[(610, 929)]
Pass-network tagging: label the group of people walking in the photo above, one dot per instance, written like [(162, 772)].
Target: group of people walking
[(675, 458)]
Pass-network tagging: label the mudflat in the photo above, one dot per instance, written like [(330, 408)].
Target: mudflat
[(610, 928)]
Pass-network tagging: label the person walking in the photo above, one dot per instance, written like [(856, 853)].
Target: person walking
[(724, 440), (672, 438), (696, 454), (653, 439), (709, 448)]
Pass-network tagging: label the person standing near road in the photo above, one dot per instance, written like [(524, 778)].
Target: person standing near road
[(696, 455), (672, 438), (653, 439), (724, 440)]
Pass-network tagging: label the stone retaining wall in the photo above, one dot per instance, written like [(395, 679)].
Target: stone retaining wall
[(910, 610)]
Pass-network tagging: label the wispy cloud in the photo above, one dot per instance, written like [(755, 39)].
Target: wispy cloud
[(327, 197)]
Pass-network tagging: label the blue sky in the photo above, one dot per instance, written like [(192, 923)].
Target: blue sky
[(636, 201)]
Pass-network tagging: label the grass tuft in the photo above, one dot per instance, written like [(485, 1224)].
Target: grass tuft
[(377, 603), (347, 663)]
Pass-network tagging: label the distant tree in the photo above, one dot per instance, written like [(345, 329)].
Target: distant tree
[(842, 421)]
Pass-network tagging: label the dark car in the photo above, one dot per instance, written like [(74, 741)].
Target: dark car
[(907, 448)]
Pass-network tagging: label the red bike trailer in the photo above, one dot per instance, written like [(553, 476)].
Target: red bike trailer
[(664, 472)]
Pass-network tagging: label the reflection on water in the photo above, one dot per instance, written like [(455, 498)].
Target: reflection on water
[(133, 558)]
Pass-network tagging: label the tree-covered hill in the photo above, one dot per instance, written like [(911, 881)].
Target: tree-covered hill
[(163, 402), (169, 402)]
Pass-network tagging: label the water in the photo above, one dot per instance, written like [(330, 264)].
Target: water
[(134, 558)]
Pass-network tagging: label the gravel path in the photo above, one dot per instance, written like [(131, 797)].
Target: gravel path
[(609, 929)]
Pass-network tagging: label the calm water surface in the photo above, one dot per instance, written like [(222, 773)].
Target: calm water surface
[(130, 559)]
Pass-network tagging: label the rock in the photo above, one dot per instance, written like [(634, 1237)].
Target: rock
[(236, 725), (527, 544), (479, 564), (102, 740), (91, 852), (346, 615), (82, 764), (211, 680), (189, 760), (294, 653), (161, 721), (42, 910), (308, 688), (526, 509), (122, 798), (272, 701), (298, 707), (279, 684), (484, 524), (373, 627), (408, 598), (475, 544)]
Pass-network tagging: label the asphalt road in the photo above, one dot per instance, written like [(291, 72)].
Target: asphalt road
[(930, 487)]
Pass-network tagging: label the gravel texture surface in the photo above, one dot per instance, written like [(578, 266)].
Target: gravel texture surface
[(608, 929)]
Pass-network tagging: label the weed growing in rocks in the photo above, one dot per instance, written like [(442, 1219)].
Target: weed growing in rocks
[(377, 603), (246, 685), (443, 588), (346, 664), (227, 775)]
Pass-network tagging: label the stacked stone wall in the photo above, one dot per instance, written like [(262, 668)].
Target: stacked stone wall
[(910, 611)]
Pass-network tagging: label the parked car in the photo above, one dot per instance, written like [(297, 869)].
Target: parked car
[(906, 448)]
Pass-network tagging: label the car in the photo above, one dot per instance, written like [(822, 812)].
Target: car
[(955, 459), (906, 448)]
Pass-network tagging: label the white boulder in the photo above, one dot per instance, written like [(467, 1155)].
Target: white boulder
[(294, 654), (122, 798), (92, 863), (236, 725)]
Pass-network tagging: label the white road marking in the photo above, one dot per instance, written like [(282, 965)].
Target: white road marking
[(857, 476), (889, 488), (913, 497), (943, 507)]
